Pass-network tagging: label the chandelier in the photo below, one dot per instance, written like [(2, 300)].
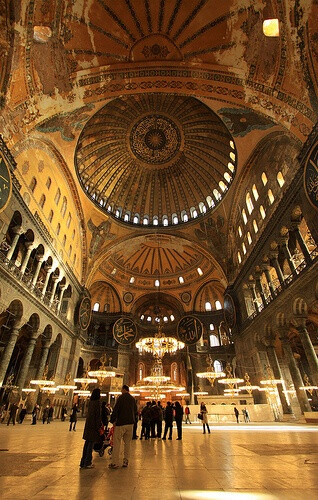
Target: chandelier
[(159, 345), (230, 380), (210, 374), (103, 371)]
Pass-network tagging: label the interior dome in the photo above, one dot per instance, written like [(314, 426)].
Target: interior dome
[(155, 159)]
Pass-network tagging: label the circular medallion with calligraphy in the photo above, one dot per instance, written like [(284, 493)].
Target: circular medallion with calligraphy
[(189, 330), (5, 184), (85, 313), (125, 331)]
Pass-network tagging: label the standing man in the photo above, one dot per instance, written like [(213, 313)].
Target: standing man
[(187, 414), (12, 413), (123, 419), (236, 413)]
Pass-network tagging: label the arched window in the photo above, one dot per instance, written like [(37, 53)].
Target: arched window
[(270, 196), (184, 216), (262, 211), (70, 251), (57, 197), (64, 240), (214, 340), (280, 179), (63, 207), (132, 280), (249, 238), (181, 280), (202, 207), (48, 182), (50, 218), (208, 306), (193, 212), (217, 195), (249, 203), (240, 231), (255, 226), (165, 221), (58, 229), (96, 307), (145, 220), (199, 270), (136, 219), (74, 259), (175, 219), (157, 283), (155, 220), (222, 186), (255, 192), (33, 184), (127, 216), (244, 248), (211, 326), (210, 201), (239, 258), (232, 156), (227, 177), (218, 305), (264, 178), (230, 166), (106, 308), (42, 201), (244, 216), (217, 365)]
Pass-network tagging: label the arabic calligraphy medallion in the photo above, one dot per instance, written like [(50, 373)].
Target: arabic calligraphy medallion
[(125, 331), (189, 330), (311, 176)]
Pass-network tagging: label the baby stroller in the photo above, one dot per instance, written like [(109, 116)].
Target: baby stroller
[(105, 441)]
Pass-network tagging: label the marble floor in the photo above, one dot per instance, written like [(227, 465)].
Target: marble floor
[(235, 461)]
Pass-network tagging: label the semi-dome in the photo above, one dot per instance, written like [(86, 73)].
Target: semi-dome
[(155, 159)]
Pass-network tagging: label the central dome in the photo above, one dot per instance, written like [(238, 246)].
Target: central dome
[(155, 159)]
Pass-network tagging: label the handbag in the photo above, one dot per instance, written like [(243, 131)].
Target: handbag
[(200, 416)]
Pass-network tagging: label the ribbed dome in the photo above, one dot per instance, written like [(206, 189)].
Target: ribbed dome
[(155, 159)]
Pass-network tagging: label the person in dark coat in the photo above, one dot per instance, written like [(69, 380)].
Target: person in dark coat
[(73, 417), (35, 413), (145, 421), (236, 413), (50, 414), (12, 413), (168, 420), (45, 414), (63, 413), (22, 414), (92, 429), (105, 415), (178, 417)]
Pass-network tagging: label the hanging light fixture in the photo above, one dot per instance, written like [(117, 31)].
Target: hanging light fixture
[(210, 374), (103, 371)]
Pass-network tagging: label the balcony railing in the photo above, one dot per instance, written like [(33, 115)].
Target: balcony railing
[(26, 282), (288, 280)]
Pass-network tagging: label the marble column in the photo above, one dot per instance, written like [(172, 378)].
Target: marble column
[(62, 290), (266, 268), (25, 364), (295, 374), (47, 277), (259, 287), (17, 231), (251, 286), (309, 352), (273, 361), (284, 245), (29, 246), (37, 271), (301, 241), (55, 281), (7, 353), (278, 269), (43, 359)]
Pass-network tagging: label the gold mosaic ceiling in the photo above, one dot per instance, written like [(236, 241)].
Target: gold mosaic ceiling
[(155, 159)]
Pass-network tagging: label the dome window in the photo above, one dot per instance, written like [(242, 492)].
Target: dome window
[(155, 221), (132, 280), (244, 216), (184, 216), (96, 307), (227, 177), (208, 306), (126, 217), (165, 221), (264, 179), (211, 327), (114, 271), (142, 317), (217, 195), (148, 319), (280, 179), (171, 317), (210, 201), (230, 166), (214, 341), (262, 211), (270, 196), (202, 207), (232, 144), (181, 280), (249, 203), (157, 283), (145, 220), (255, 192), (232, 156), (249, 238), (240, 231), (136, 219), (175, 219), (255, 226), (218, 305), (200, 272), (193, 212), (165, 319), (222, 186), (239, 258)]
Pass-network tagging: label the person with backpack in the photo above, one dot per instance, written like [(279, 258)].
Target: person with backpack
[(187, 414)]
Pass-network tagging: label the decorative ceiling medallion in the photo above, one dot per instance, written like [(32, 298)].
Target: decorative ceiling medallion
[(155, 159), (128, 297), (125, 331), (155, 139), (186, 297)]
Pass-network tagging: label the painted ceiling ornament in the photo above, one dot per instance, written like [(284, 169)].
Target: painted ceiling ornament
[(100, 234), (155, 51)]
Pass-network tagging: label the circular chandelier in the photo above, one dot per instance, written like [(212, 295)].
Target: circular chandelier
[(103, 372), (159, 345)]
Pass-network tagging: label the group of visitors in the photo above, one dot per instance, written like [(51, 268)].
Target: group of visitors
[(152, 416), (245, 414)]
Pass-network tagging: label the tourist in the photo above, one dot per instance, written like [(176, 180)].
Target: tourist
[(204, 413), (246, 415), (92, 429), (73, 417), (50, 414), (168, 420), (123, 419), (63, 413), (35, 413), (45, 414), (12, 413), (236, 413), (22, 414), (178, 418), (187, 414), (105, 415), (145, 421)]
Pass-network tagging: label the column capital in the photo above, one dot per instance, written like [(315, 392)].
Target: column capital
[(17, 230), (29, 245)]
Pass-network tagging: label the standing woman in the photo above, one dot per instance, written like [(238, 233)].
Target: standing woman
[(73, 417), (91, 430), (204, 413), (179, 417)]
